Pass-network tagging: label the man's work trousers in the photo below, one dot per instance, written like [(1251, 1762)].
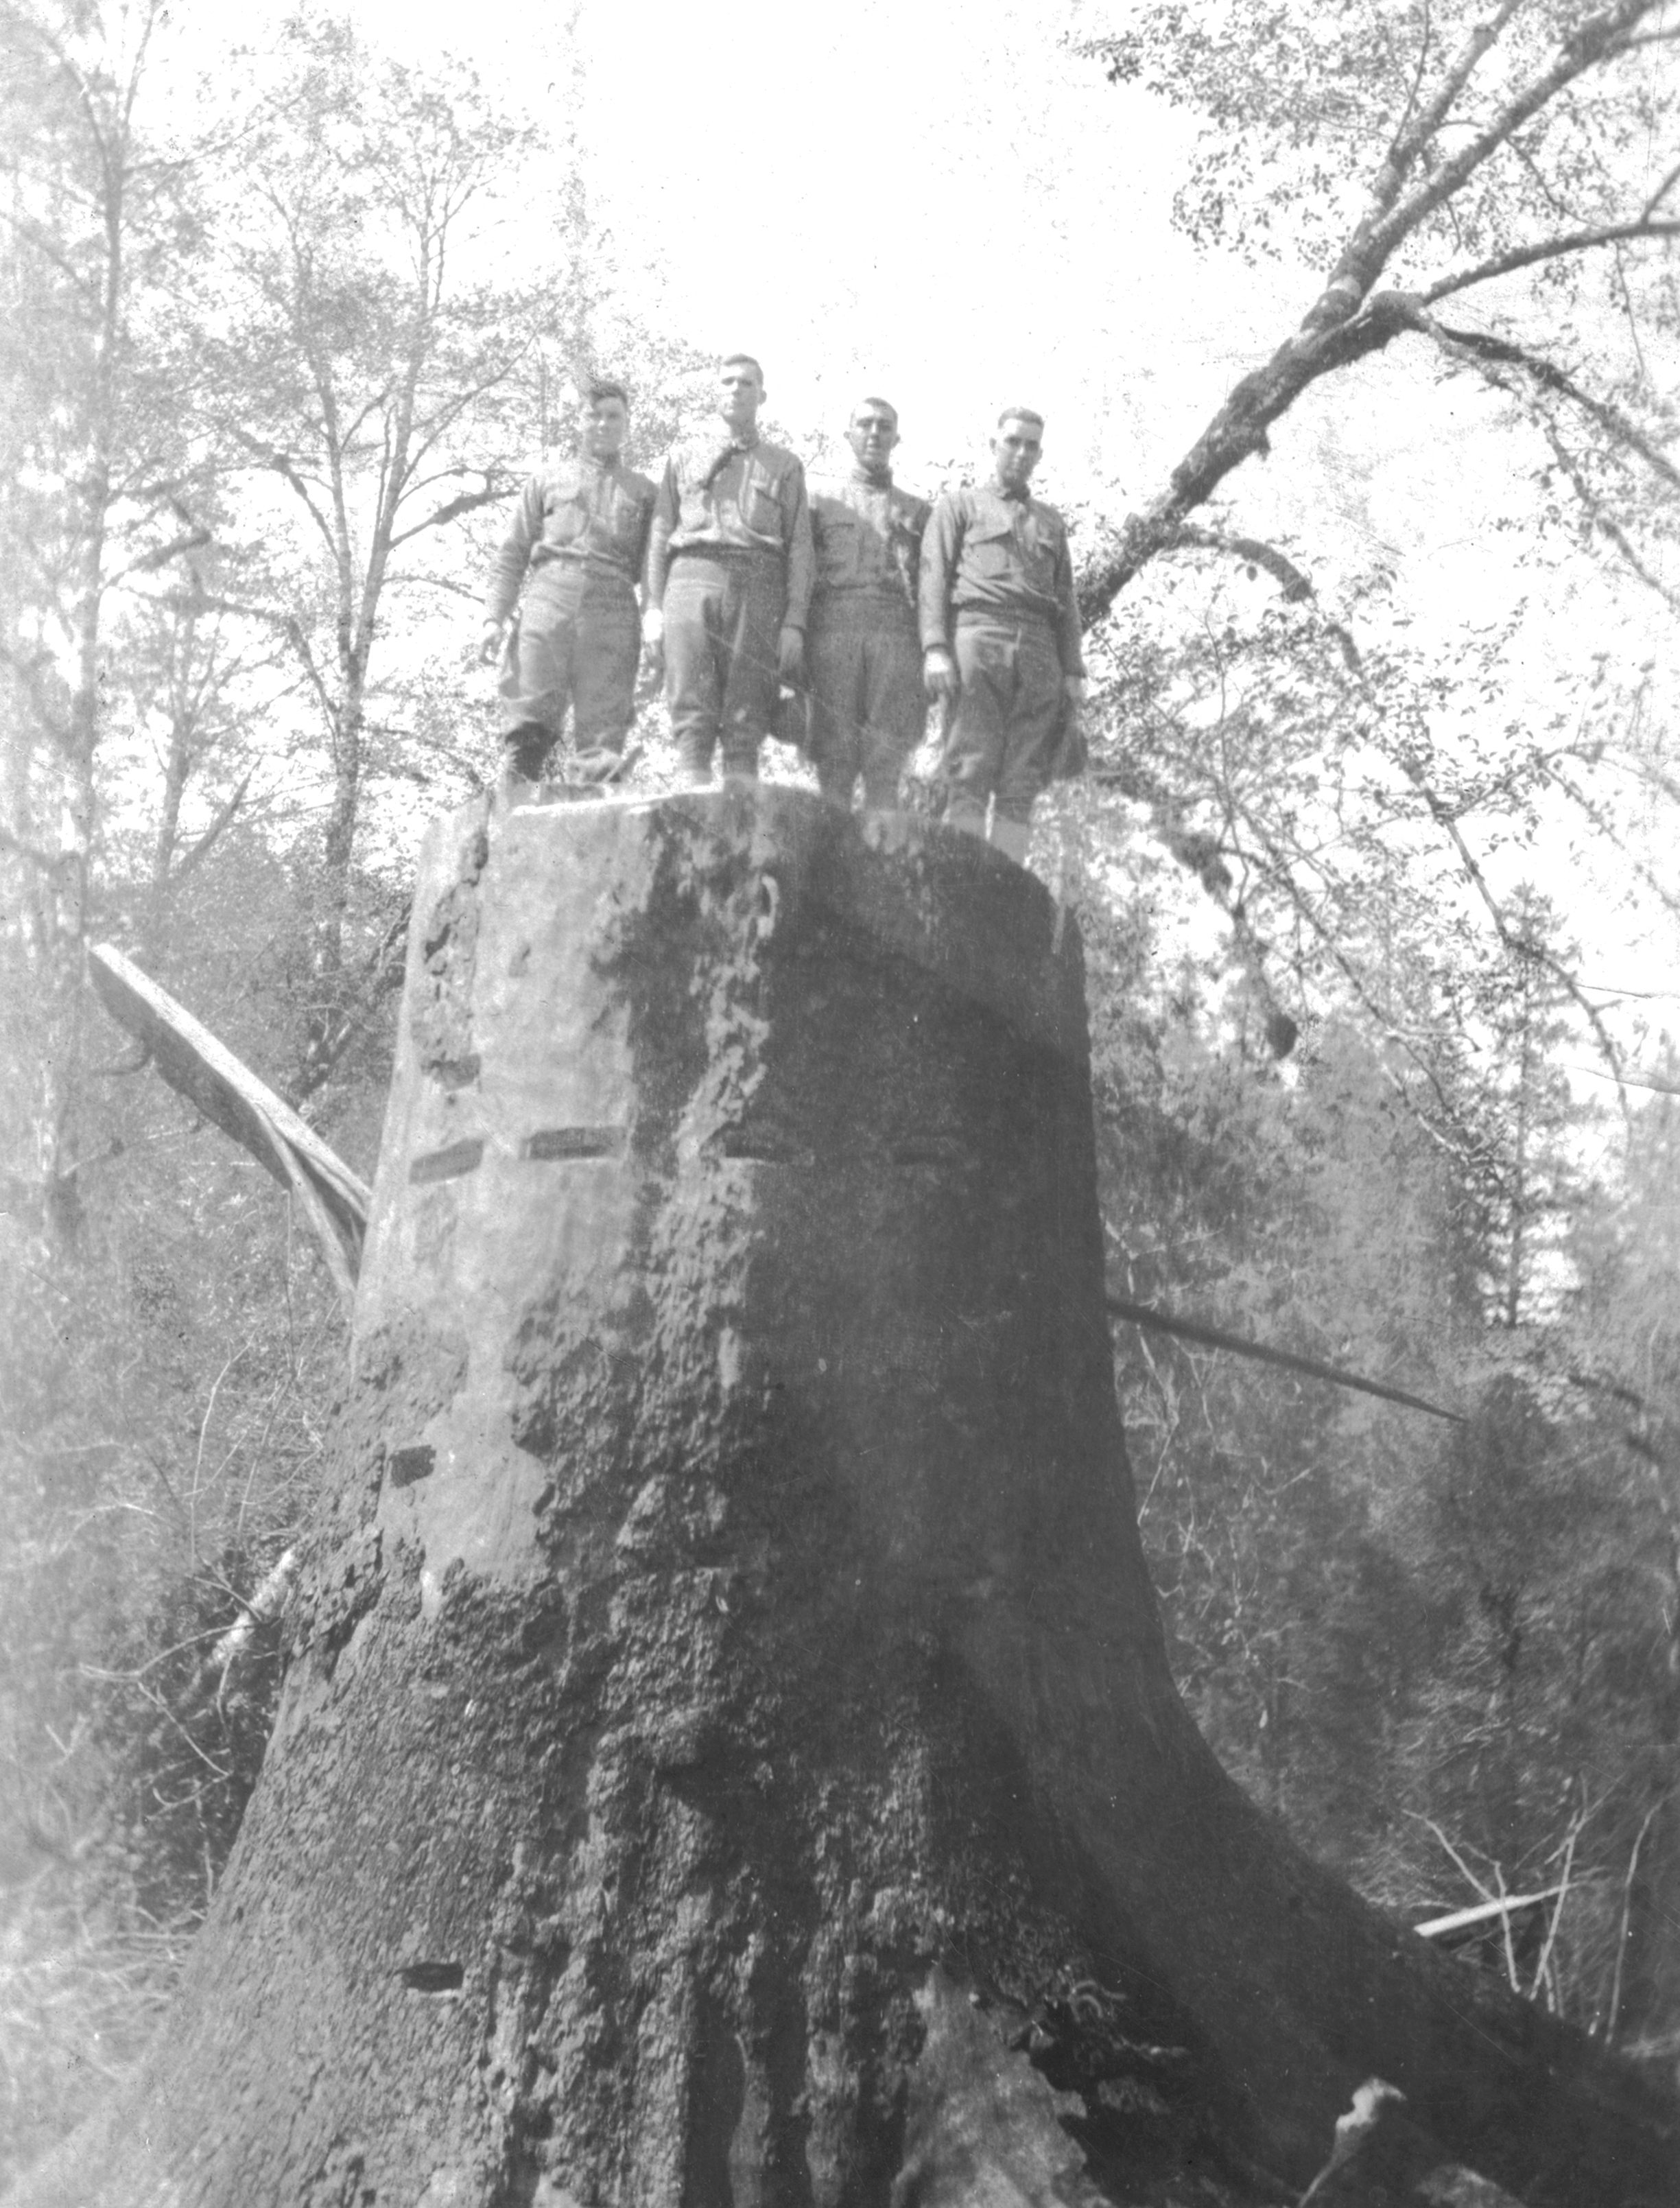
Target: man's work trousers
[(867, 707), (1003, 731), (722, 625), (575, 646)]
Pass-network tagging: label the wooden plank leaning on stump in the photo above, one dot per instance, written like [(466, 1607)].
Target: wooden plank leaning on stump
[(331, 1199)]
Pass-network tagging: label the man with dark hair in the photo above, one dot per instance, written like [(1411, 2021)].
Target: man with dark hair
[(728, 581), (580, 531), (867, 707), (1001, 637)]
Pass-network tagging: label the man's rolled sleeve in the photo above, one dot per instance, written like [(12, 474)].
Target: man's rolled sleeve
[(666, 507), (801, 550), (940, 545), (511, 562)]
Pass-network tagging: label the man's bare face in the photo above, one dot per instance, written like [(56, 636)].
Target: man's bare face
[(604, 424), (1015, 450), (872, 434), (740, 394)]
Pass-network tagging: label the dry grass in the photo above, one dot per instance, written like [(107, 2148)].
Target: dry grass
[(80, 1995)]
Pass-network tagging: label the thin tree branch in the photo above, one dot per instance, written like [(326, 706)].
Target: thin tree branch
[(300, 644), (29, 234), (380, 972), (1576, 1824), (1480, 347), (1361, 262), (1591, 42), (280, 464), (192, 540), (1551, 248), (1605, 520), (203, 845), (37, 855), (467, 502), (1661, 193), (1418, 74), (1486, 1891), (1190, 536), (1526, 946), (1650, 1818), (1664, 891), (1633, 1080), (1215, 1337)]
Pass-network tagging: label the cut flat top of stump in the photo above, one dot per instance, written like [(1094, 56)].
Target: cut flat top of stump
[(987, 928)]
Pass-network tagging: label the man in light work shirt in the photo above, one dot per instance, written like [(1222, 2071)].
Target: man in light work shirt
[(728, 581), (1001, 637), (862, 659), (580, 533)]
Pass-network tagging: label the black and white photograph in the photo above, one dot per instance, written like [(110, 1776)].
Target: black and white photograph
[(840, 1104)]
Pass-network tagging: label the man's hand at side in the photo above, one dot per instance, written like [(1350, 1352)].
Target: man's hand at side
[(939, 673)]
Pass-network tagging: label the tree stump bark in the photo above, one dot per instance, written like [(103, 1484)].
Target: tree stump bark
[(729, 1757)]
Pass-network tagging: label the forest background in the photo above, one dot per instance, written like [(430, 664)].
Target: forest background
[(1373, 864)]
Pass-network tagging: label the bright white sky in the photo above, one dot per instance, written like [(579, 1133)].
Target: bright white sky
[(938, 200)]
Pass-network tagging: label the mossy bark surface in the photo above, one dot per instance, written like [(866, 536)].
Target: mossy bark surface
[(728, 1758)]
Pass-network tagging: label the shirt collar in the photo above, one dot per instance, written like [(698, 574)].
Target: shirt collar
[(881, 480)]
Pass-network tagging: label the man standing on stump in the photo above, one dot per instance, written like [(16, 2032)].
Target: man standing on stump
[(728, 582), (1000, 638), (862, 659), (581, 533)]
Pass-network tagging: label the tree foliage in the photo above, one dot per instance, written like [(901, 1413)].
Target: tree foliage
[(1443, 1653), (107, 488), (354, 358), (1415, 155)]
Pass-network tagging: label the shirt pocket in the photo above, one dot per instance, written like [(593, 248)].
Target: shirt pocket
[(565, 520), (625, 522), (904, 553), (1039, 557), (761, 507), (839, 548), (991, 551)]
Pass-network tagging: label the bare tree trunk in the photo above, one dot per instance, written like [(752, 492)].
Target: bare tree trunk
[(327, 958), (63, 1072), (729, 1755)]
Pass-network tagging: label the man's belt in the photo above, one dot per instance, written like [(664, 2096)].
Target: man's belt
[(591, 567), (708, 551), (837, 597), (1016, 617)]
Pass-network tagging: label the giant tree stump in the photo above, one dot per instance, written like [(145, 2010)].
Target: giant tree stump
[(729, 1757)]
